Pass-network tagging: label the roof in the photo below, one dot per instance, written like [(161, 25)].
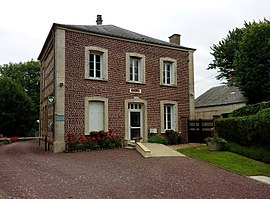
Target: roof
[(220, 95), (114, 31)]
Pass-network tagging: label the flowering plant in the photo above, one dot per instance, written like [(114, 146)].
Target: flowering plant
[(95, 140), (214, 137), (173, 136), (14, 138), (137, 138)]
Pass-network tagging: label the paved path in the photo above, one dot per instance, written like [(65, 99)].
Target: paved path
[(160, 150), (28, 172)]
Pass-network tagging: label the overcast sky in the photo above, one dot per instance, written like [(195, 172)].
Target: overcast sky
[(24, 24)]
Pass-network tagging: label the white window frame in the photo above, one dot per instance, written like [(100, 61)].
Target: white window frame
[(168, 116), (165, 64), (86, 112), (174, 115), (130, 65), (96, 51)]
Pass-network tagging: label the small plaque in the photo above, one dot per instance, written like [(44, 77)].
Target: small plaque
[(59, 117), (153, 130)]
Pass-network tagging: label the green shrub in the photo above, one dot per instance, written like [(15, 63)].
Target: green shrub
[(157, 139), (240, 130), (173, 136), (262, 126), (260, 153), (251, 109), (247, 130)]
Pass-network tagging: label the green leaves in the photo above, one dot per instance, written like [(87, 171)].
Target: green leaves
[(19, 98), (245, 54)]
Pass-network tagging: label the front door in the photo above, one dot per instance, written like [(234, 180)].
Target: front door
[(135, 121)]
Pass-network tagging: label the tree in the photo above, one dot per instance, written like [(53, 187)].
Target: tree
[(16, 109), (245, 54), (224, 53), (253, 62), (27, 75)]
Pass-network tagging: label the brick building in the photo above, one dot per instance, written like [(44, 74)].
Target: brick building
[(100, 77)]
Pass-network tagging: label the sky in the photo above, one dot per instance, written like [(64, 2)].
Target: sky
[(25, 24)]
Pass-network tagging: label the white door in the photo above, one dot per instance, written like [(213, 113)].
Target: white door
[(135, 121), (96, 116)]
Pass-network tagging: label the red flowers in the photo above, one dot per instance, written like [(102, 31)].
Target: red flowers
[(95, 140), (83, 138), (14, 138)]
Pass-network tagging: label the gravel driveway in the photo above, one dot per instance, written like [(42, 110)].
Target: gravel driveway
[(28, 172)]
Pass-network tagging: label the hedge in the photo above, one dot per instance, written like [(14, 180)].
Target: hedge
[(250, 109), (246, 130)]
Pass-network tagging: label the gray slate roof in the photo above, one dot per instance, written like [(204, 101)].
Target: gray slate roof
[(114, 31), (220, 95)]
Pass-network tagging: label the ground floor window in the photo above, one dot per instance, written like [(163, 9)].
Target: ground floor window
[(169, 115), (96, 114)]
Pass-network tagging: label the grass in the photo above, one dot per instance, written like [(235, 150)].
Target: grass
[(229, 161)]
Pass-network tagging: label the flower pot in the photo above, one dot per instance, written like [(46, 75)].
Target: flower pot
[(137, 140), (216, 146)]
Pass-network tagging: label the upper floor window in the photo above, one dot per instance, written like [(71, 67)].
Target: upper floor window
[(135, 67), (96, 63), (168, 74)]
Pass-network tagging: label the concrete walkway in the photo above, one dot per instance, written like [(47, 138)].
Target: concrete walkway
[(160, 150)]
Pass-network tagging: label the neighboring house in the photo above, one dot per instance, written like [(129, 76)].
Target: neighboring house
[(100, 77), (218, 102)]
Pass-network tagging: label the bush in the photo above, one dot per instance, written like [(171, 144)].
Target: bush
[(173, 136), (262, 126), (247, 130), (260, 153), (158, 139), (96, 140), (250, 109)]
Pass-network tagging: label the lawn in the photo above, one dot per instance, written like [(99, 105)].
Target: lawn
[(228, 160)]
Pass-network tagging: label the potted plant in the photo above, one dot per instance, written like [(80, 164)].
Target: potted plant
[(215, 143), (137, 138)]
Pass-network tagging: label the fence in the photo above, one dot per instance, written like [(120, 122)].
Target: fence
[(199, 129)]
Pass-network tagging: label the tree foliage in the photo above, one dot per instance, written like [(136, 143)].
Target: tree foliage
[(245, 54), (27, 76), (16, 109), (224, 53), (253, 62)]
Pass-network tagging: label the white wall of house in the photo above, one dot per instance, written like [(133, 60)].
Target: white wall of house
[(214, 111)]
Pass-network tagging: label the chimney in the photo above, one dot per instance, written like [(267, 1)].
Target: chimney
[(99, 20), (175, 39)]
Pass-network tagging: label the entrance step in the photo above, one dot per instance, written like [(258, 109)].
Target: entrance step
[(155, 150), (130, 146), (142, 149)]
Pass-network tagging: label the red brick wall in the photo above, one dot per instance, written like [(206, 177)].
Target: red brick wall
[(116, 89)]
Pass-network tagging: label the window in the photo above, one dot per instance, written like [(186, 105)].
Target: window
[(169, 115), (96, 114), (135, 69), (168, 109), (168, 74), (96, 63), (135, 64)]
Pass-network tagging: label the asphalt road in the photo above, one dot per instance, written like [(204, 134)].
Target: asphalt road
[(28, 172)]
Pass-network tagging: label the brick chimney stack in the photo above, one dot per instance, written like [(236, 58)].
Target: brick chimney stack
[(99, 20), (175, 39)]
